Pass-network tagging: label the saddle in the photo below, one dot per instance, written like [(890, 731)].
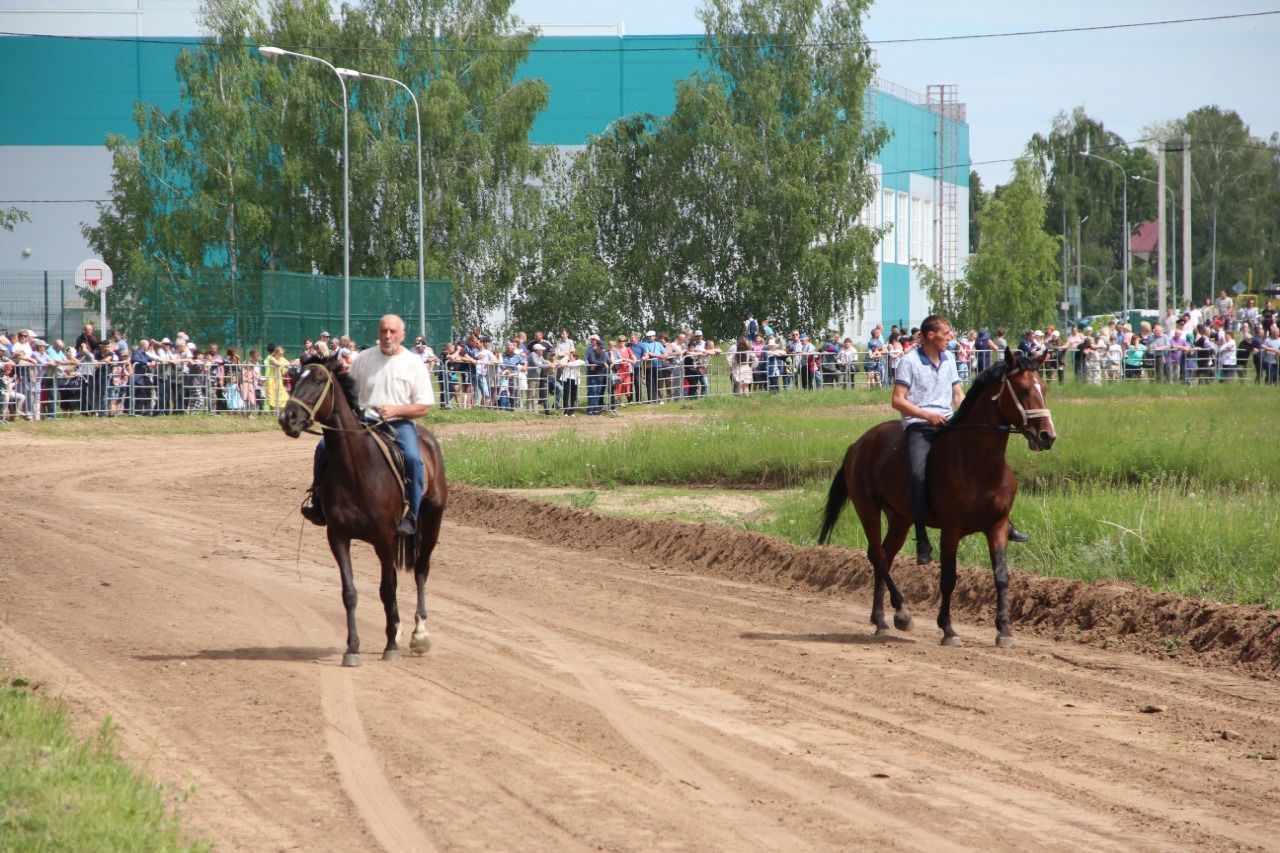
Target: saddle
[(384, 437)]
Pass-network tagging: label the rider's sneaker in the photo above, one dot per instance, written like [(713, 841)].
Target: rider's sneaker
[(1016, 535), (406, 527), (313, 513)]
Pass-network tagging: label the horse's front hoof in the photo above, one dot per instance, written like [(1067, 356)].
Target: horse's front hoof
[(391, 655), (351, 659), (882, 628), (953, 641), (1003, 642), (902, 620), (420, 644)]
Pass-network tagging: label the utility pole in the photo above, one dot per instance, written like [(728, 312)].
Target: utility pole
[(1160, 224), (1186, 220), (1079, 228)]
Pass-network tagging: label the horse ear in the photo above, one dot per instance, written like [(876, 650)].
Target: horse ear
[(1009, 358)]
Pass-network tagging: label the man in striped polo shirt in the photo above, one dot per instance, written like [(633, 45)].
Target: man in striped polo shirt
[(926, 391)]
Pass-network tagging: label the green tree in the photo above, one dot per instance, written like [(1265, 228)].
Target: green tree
[(11, 216), (749, 195), (1235, 201), (977, 201), (247, 175), (1083, 193), (1012, 279)]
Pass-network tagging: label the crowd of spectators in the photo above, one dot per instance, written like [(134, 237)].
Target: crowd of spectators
[(103, 377)]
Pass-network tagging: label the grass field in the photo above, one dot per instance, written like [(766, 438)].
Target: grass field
[(61, 793), (1167, 487)]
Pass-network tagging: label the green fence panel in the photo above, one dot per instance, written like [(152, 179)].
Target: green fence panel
[(248, 312)]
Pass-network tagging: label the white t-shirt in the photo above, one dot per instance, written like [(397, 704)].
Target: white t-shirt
[(399, 380), (1227, 353)]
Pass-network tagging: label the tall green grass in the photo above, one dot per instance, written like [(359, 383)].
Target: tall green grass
[(1169, 487), (60, 793)]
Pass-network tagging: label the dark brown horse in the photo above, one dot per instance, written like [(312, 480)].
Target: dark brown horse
[(971, 487), (362, 500)]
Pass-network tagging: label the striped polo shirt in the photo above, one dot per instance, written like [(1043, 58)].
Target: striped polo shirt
[(928, 385)]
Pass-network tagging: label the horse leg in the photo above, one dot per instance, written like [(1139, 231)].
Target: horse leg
[(870, 517), (899, 526), (429, 531), (996, 541), (341, 548), (387, 592), (947, 583)]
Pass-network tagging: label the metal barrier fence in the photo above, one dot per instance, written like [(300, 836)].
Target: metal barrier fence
[(109, 389)]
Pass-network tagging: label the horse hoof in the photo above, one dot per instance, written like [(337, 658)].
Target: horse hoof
[(902, 620), (1004, 642), (391, 655), (420, 644), (882, 629), (953, 640), (351, 659)]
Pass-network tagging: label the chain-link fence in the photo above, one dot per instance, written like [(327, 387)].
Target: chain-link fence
[(212, 306)]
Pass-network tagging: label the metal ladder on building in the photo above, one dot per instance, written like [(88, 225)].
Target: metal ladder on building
[(943, 99)]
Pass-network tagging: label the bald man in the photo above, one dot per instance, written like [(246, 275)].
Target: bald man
[(393, 384)]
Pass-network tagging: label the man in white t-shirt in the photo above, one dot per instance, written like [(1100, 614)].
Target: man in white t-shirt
[(393, 384)]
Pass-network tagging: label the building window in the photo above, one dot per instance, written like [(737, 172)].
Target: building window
[(927, 237), (904, 228), (891, 222)]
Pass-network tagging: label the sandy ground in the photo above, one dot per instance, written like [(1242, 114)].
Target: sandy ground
[(587, 691)]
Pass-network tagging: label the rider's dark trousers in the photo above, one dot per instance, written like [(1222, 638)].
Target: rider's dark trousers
[(920, 438)]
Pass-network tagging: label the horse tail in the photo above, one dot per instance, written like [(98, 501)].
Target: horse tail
[(836, 499)]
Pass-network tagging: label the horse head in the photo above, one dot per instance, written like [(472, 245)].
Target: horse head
[(312, 397), (1021, 400)]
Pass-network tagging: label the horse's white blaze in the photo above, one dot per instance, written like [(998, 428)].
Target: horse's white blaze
[(305, 374)]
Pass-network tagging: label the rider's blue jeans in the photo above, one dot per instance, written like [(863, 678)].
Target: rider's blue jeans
[(407, 439)]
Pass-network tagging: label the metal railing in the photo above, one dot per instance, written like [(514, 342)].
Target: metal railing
[(110, 389)]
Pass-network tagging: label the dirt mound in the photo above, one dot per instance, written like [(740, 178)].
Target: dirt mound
[(1111, 615)]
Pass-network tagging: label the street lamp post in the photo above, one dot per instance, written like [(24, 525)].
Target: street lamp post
[(268, 50), (422, 223), (1124, 189)]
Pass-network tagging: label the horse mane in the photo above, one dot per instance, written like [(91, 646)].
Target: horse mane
[(993, 375), (340, 376)]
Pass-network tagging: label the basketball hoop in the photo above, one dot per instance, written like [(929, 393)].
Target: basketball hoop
[(93, 275)]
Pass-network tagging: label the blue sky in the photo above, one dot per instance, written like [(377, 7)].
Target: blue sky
[(1014, 87)]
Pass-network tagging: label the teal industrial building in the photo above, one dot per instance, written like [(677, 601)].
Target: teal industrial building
[(64, 93)]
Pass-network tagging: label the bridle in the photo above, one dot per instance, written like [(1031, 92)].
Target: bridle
[(1027, 414), (310, 410)]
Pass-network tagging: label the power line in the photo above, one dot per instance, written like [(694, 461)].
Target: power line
[(675, 48)]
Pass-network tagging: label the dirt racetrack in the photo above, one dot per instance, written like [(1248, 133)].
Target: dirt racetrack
[(601, 684)]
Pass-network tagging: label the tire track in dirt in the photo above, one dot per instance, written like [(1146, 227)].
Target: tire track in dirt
[(1019, 791), (551, 663), (369, 791)]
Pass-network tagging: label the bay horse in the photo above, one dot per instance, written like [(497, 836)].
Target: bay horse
[(362, 499), (971, 487)]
